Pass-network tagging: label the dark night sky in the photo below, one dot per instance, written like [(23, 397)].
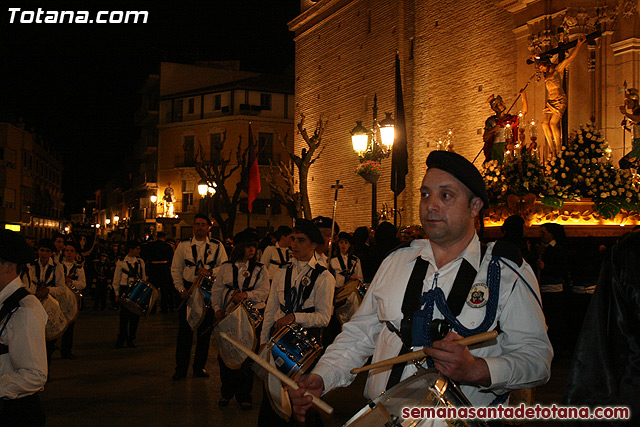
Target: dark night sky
[(76, 83)]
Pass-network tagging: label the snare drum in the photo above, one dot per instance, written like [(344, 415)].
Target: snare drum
[(56, 320), (293, 350), (140, 298), (68, 302), (240, 324), (425, 388)]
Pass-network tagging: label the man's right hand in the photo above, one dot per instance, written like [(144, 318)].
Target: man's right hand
[(312, 383), (184, 294)]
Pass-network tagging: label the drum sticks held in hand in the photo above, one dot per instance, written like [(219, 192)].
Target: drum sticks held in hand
[(419, 354), (272, 369)]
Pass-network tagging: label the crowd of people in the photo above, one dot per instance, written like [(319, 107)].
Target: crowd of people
[(361, 294)]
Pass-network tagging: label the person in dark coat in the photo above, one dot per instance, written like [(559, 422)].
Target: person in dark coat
[(158, 255), (605, 369), (386, 241)]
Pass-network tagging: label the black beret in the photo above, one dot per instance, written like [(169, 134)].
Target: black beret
[(202, 216), (14, 249), (312, 231), (325, 222), (345, 236), (47, 244), (132, 244), (460, 168), (248, 236), (283, 230)]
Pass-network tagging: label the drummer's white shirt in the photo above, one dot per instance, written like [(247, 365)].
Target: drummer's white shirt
[(122, 279), (259, 281), (80, 282), (519, 358), (23, 371), (181, 272), (32, 282), (335, 265), (271, 253), (321, 298)]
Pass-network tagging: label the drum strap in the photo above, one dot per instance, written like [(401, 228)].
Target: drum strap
[(133, 270), (291, 295), (247, 280), (8, 308), (411, 305), (48, 275), (347, 270), (72, 272)]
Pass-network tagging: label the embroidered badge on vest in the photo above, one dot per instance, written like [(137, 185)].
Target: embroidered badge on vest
[(209, 251), (478, 295), (246, 274), (305, 281)]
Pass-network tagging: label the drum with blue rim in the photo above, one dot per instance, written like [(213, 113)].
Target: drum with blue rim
[(293, 350), (140, 298)]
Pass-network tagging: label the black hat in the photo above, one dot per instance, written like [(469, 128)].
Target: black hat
[(47, 243), (312, 231), (325, 222), (283, 230), (132, 244), (248, 236), (202, 216), (345, 236), (14, 249), (460, 168)]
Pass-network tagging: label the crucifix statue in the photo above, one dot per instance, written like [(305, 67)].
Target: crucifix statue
[(556, 104)]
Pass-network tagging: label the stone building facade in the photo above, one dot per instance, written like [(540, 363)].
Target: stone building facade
[(30, 183), (206, 110), (454, 55)]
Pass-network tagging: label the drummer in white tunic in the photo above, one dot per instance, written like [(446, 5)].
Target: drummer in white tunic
[(198, 256), (302, 293), (45, 277), (128, 272), (241, 278), (23, 362), (452, 196), (278, 256)]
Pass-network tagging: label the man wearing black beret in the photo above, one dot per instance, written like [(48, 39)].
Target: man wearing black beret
[(302, 293), (444, 283), (23, 356)]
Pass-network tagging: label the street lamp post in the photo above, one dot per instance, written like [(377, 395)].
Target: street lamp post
[(374, 145), (206, 190)]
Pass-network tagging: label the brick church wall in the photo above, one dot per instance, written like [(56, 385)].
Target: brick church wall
[(453, 56)]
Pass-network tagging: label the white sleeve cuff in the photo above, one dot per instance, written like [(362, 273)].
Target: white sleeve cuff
[(499, 371)]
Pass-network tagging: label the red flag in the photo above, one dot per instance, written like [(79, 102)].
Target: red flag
[(254, 172)]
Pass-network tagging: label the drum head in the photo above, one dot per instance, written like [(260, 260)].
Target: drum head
[(425, 388), (195, 310), (237, 325), (347, 289), (56, 320), (277, 394), (350, 305), (68, 302)]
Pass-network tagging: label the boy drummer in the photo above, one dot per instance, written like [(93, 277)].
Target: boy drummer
[(128, 272), (302, 293)]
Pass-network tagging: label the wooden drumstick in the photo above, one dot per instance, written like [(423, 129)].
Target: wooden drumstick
[(272, 369), (419, 354)]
